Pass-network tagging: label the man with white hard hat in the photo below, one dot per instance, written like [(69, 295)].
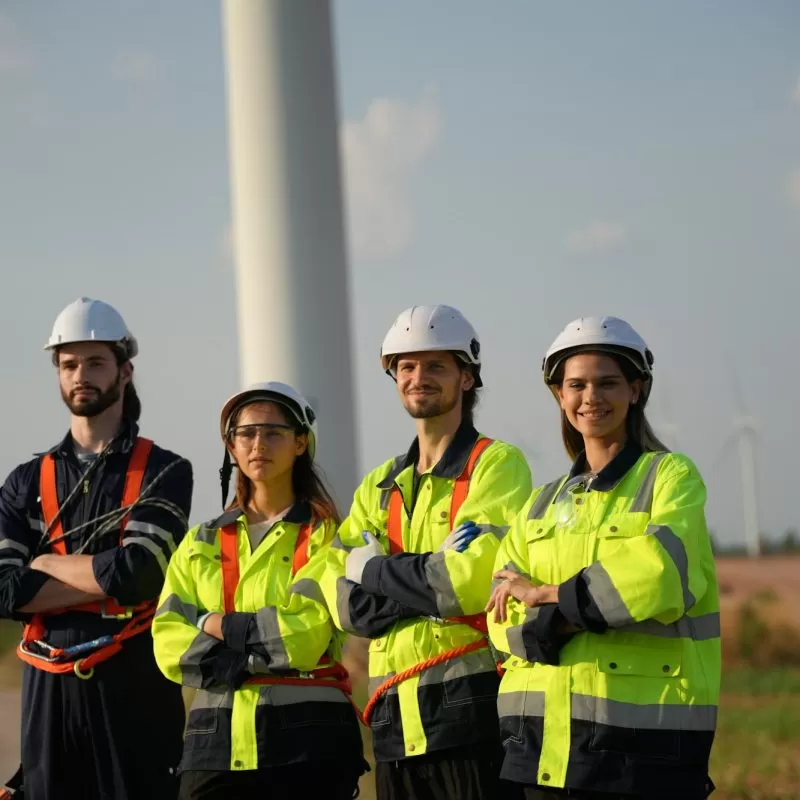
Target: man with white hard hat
[(86, 532), (411, 569)]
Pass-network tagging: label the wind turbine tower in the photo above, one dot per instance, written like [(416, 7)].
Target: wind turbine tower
[(288, 230), (747, 433)]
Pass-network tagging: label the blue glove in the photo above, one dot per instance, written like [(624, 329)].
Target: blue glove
[(358, 557), (459, 539)]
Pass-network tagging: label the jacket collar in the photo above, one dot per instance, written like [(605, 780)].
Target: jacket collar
[(613, 472), (299, 513), (121, 443), (450, 465)]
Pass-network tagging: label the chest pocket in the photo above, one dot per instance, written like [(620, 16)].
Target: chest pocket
[(205, 563), (617, 529), (540, 540)]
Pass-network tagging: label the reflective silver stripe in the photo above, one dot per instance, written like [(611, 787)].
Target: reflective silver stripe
[(151, 530), (309, 588), (150, 545), (337, 544), (190, 660), (206, 535), (514, 634), (643, 501), (463, 667), (699, 629), (207, 698), (286, 695), (439, 581), (375, 682), (36, 524), (15, 561), (605, 595), (174, 605), (344, 589), (546, 496), (9, 544), (269, 633), (676, 550), (630, 715), (520, 704), (498, 530)]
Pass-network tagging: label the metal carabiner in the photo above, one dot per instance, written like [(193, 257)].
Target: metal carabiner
[(79, 673)]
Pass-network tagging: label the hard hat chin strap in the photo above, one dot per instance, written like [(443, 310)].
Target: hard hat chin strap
[(225, 472)]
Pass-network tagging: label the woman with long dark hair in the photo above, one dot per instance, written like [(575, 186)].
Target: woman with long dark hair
[(606, 595), (242, 620)]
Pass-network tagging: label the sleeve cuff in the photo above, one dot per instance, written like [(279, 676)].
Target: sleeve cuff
[(235, 629), (26, 584), (577, 606), (540, 636), (104, 568), (230, 668), (371, 576)]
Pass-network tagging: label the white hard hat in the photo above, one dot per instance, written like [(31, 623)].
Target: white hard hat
[(273, 392), (87, 320), (432, 328), (606, 334)]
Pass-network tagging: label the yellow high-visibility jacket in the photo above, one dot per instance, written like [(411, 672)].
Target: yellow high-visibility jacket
[(628, 705), (404, 599), (280, 626)]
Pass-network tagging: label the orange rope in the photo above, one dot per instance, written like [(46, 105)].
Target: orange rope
[(448, 655)]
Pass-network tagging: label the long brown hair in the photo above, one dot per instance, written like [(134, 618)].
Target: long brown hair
[(636, 423), (307, 483)]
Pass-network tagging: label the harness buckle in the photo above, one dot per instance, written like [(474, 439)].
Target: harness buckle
[(106, 614)]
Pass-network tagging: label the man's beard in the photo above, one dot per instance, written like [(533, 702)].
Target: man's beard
[(98, 404), (431, 408)]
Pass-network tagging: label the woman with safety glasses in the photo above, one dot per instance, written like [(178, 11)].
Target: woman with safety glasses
[(242, 620), (606, 595)]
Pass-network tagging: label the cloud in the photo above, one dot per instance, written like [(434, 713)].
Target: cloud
[(137, 67), (796, 92), (15, 56), (382, 153), (794, 187), (596, 237)]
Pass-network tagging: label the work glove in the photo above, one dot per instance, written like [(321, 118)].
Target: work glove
[(358, 557), (460, 538)]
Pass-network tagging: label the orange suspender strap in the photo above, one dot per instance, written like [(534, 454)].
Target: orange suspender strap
[(301, 547), (461, 487), (49, 499), (394, 525), (49, 493), (135, 476), (229, 551)]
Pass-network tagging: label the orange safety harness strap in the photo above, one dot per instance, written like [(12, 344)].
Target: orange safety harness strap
[(395, 535), (331, 673), (140, 616)]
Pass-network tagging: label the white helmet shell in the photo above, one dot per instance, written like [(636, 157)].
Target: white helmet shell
[(609, 334), (87, 320), (432, 328), (274, 392)]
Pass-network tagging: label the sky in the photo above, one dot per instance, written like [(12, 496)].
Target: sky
[(526, 162)]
